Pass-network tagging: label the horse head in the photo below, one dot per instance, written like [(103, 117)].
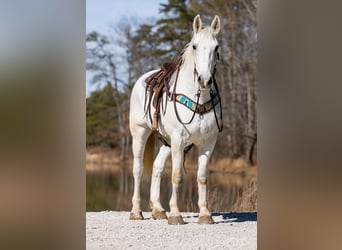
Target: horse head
[(205, 50)]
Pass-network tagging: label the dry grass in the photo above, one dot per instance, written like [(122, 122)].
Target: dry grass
[(102, 158), (111, 157)]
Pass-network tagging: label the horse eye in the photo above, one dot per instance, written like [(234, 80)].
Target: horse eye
[(216, 48), (194, 47)]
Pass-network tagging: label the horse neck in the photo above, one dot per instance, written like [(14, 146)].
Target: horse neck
[(187, 83)]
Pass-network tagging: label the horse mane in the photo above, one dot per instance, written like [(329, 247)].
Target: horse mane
[(186, 53)]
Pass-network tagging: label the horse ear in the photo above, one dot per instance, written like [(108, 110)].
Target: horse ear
[(197, 25), (216, 25)]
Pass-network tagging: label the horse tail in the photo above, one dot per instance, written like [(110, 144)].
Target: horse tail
[(149, 156)]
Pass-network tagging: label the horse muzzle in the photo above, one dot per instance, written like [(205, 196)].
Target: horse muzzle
[(204, 82)]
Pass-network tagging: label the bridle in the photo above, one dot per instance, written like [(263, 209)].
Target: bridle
[(199, 108)]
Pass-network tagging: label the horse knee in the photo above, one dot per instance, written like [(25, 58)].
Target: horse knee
[(137, 171), (202, 180), (177, 177)]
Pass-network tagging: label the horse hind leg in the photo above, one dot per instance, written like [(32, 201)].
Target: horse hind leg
[(140, 136), (158, 212)]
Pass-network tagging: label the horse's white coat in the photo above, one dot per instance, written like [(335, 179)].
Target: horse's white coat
[(202, 131)]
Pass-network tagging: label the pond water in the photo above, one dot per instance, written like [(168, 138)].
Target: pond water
[(113, 189)]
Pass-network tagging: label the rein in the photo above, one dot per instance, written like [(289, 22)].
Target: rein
[(218, 121), (174, 99), (199, 108)]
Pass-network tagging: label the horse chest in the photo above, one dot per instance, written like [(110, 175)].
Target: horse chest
[(204, 126)]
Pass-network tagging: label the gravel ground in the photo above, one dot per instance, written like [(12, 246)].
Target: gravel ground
[(113, 230)]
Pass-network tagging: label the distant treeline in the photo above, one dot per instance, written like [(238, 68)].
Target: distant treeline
[(118, 60)]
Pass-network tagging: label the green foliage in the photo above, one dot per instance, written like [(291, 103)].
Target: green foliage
[(174, 30), (100, 118), (141, 51)]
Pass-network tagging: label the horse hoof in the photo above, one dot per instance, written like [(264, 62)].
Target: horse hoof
[(175, 220), (205, 219), (136, 216), (158, 215)]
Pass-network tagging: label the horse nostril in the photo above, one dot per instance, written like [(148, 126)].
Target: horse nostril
[(210, 81), (199, 78)]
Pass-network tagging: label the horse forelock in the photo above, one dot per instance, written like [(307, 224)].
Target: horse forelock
[(205, 34)]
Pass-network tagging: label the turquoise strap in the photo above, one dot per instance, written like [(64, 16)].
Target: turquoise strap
[(200, 108)]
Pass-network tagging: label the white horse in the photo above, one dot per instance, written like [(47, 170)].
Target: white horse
[(191, 116)]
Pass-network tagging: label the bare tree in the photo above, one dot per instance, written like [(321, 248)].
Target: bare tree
[(101, 61)]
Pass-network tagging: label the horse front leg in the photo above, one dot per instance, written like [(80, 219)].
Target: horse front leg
[(203, 162), (177, 150), (158, 212)]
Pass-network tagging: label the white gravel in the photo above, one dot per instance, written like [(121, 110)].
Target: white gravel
[(113, 230)]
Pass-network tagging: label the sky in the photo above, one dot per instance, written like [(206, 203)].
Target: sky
[(102, 14)]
